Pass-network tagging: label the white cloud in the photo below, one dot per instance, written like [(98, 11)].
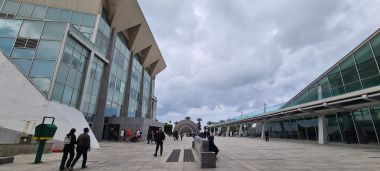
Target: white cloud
[(227, 56)]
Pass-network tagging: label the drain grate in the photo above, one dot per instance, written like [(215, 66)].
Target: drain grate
[(188, 156), (174, 156)]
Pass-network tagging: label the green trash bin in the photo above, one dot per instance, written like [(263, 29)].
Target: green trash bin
[(42, 133)]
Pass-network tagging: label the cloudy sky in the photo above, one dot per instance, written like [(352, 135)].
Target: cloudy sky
[(225, 57)]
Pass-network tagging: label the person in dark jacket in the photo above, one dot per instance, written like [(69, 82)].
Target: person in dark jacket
[(212, 146), (150, 136), (83, 145), (266, 136), (159, 138), (70, 141)]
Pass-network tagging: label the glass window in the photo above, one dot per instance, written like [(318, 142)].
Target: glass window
[(65, 16), (349, 72), (88, 20), (10, 7), (42, 68), (42, 83), (334, 77), (333, 130), (48, 49), (68, 92), (54, 31), (58, 92), (39, 12), (76, 18), (25, 10), (23, 64), (366, 62), (375, 42), (311, 125), (324, 86), (347, 126), (22, 53), (62, 73), (52, 14), (364, 126), (301, 129), (6, 45), (31, 29), (376, 118), (370, 82), (9, 28)]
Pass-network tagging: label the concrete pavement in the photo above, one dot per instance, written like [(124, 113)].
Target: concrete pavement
[(235, 154)]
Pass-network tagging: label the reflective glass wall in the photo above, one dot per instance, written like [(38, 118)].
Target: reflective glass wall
[(118, 78), (359, 70), (134, 94), (91, 96), (71, 73), (357, 127), (85, 23), (34, 47), (146, 95)]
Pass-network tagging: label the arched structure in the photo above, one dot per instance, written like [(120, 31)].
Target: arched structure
[(186, 126)]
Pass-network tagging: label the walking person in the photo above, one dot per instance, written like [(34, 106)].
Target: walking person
[(266, 136), (159, 138), (70, 141), (149, 137), (122, 135), (83, 145), (181, 135)]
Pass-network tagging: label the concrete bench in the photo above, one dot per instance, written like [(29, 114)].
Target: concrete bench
[(5, 160), (207, 158)]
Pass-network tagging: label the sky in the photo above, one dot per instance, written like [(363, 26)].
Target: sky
[(226, 57)]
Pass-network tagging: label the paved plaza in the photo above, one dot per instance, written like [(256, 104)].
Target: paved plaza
[(235, 154)]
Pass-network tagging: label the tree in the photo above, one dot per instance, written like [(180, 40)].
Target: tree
[(187, 118), (199, 124), (168, 128)]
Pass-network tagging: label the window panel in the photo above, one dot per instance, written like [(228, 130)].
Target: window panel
[(25, 10), (10, 7), (375, 42), (76, 18), (364, 126), (42, 83), (67, 95), (375, 111), (22, 53), (333, 129), (370, 82), (62, 73), (88, 20), (6, 45), (39, 12), (54, 31), (48, 49), (366, 62), (58, 92), (353, 86), (64, 16), (31, 29), (42, 68), (52, 14), (23, 64), (335, 78), (347, 127), (9, 28)]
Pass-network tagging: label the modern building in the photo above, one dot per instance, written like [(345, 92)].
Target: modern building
[(87, 62), (341, 106)]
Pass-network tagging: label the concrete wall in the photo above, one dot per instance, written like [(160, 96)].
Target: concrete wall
[(22, 102), (7, 150), (136, 124)]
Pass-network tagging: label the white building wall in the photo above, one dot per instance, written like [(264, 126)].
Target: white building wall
[(21, 101)]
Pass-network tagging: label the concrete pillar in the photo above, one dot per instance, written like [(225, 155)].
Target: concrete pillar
[(322, 130), (240, 130), (214, 132), (263, 130), (228, 131)]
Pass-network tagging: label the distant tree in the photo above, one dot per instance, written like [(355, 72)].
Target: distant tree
[(187, 118), (168, 128), (199, 124)]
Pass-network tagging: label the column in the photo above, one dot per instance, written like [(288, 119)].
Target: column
[(240, 130), (228, 131), (214, 132), (322, 130), (263, 130)]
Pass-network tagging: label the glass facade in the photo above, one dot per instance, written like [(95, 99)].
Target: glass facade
[(134, 93), (91, 97), (118, 78), (82, 21), (31, 47), (359, 70), (71, 73), (103, 35), (146, 94), (359, 126)]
